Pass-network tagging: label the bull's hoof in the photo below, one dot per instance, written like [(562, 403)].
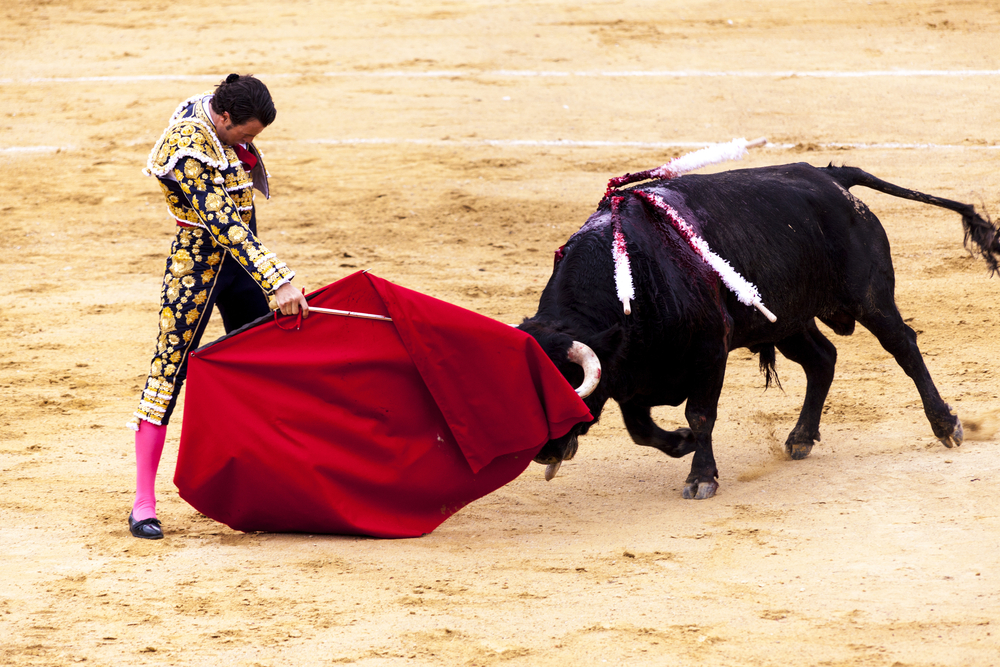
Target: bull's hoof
[(700, 490), (956, 437), (798, 450), (800, 442)]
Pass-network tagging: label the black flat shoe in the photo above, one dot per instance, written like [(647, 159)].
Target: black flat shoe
[(147, 529)]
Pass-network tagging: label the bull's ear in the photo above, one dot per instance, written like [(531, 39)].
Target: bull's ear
[(606, 343)]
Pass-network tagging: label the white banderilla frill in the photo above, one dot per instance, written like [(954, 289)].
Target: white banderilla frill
[(745, 291), (619, 250)]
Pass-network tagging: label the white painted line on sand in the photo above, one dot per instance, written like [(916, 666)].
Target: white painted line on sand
[(508, 142), (786, 74), (504, 73), (34, 149), (632, 144), (567, 143)]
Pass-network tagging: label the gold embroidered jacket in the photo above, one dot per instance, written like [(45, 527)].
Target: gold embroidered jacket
[(206, 186)]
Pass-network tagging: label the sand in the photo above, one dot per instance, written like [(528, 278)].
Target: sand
[(451, 147)]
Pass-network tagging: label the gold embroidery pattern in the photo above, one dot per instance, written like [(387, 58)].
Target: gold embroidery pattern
[(228, 226), (174, 290), (156, 397), (213, 202), (238, 179), (186, 137), (181, 263), (237, 233), (167, 320), (193, 169), (181, 313), (242, 198)]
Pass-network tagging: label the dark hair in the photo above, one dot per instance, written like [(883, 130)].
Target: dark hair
[(244, 98)]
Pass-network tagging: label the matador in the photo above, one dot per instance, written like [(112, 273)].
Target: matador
[(208, 168)]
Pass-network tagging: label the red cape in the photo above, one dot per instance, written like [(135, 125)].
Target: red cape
[(367, 427)]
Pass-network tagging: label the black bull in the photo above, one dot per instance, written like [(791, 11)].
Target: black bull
[(812, 249)]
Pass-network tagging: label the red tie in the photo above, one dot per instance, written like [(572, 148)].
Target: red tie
[(248, 159)]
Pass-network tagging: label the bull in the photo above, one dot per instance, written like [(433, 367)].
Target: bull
[(814, 250)]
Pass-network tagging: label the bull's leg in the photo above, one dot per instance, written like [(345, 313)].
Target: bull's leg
[(645, 432), (900, 340), (702, 482), (701, 410), (818, 357)]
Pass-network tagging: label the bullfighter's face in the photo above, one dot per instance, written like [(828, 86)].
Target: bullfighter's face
[(231, 134)]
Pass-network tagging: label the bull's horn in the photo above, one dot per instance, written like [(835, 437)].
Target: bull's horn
[(583, 355)]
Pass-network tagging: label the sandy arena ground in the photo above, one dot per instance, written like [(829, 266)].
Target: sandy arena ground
[(450, 147)]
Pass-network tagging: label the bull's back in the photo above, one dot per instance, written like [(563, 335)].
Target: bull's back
[(791, 230)]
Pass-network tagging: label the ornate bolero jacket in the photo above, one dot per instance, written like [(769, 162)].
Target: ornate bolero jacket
[(206, 186)]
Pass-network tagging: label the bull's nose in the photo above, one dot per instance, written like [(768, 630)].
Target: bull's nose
[(570, 450)]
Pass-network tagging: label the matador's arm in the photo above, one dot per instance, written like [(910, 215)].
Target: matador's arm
[(221, 217)]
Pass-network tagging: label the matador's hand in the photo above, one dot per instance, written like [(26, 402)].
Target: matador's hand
[(291, 300)]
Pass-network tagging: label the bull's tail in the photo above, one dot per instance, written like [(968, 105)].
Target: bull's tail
[(982, 237), (768, 365)]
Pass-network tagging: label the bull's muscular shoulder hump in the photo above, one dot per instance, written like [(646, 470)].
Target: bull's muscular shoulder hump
[(786, 173), (800, 176), (186, 137)]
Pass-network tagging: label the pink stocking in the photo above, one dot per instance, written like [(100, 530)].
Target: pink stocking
[(149, 441)]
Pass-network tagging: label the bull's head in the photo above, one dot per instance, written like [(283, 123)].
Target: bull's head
[(581, 367), (562, 449)]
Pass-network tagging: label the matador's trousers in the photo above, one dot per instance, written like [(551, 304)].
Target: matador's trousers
[(200, 274)]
